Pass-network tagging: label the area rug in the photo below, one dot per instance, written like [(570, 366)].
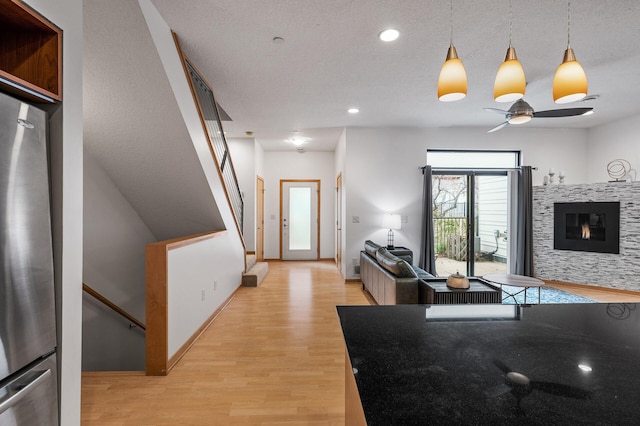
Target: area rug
[(547, 295)]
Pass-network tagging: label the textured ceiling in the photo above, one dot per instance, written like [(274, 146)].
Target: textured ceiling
[(331, 59), (133, 127)]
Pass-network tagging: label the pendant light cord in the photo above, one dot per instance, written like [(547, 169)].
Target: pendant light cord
[(510, 22), (568, 23), (451, 21)]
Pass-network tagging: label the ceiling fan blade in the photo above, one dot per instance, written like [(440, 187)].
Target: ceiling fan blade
[(499, 111), (561, 390), (502, 366), (566, 112), (498, 127)]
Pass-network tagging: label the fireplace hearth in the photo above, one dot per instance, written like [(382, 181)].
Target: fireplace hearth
[(588, 226)]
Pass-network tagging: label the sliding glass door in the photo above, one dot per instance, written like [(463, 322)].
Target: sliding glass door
[(470, 218)]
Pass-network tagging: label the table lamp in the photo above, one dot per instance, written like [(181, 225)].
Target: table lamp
[(391, 222)]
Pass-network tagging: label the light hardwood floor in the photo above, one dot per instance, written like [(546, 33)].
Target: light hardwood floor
[(275, 355)]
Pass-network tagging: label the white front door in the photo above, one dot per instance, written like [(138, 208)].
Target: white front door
[(299, 219)]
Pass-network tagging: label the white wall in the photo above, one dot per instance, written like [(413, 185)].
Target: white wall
[(382, 172), (201, 277), (293, 165), (610, 142), (114, 265), (66, 172), (243, 157)]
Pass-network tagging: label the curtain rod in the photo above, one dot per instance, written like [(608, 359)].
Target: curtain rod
[(479, 169)]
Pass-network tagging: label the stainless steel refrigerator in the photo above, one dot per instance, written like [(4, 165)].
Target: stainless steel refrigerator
[(28, 372)]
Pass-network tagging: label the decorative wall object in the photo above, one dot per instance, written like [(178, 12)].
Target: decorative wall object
[(619, 170)]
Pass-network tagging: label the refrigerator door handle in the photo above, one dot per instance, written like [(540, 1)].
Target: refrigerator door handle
[(17, 390)]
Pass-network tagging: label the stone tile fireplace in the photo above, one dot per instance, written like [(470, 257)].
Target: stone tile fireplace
[(606, 268)]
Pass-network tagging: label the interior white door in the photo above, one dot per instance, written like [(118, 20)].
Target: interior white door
[(299, 219)]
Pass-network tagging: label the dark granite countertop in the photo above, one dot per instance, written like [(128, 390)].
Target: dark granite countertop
[(412, 371)]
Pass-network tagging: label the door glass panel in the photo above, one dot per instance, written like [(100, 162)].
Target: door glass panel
[(450, 223), (299, 218), (490, 225), (483, 212)]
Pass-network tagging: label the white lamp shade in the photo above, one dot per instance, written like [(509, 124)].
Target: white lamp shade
[(510, 81), (570, 81), (452, 83), (391, 221)]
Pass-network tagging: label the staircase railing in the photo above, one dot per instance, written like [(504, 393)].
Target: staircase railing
[(108, 303), (210, 115)]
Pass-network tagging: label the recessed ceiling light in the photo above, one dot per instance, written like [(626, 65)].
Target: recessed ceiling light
[(353, 110), (297, 140), (389, 34)]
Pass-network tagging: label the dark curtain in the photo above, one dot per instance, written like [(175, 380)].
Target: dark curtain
[(427, 254), (524, 224)]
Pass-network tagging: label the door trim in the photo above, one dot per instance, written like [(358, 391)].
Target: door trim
[(339, 222), (259, 219), (282, 182)]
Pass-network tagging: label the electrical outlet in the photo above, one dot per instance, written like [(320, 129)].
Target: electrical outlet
[(204, 295), (355, 219), (215, 285), (404, 219)]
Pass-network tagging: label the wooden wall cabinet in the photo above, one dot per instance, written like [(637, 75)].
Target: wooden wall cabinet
[(30, 53)]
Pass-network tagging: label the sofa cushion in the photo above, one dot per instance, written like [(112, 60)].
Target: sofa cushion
[(398, 267), (371, 248)]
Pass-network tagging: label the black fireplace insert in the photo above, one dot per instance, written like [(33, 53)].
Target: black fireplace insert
[(589, 226)]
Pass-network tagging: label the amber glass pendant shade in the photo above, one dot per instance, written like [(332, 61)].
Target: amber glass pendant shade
[(510, 81), (452, 83), (570, 81)]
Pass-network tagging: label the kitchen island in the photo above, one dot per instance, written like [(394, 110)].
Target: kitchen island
[(540, 364)]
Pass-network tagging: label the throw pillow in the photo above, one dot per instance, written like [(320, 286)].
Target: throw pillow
[(398, 267), (371, 248)]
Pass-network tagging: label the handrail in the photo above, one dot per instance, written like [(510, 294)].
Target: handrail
[(212, 125), (113, 306)]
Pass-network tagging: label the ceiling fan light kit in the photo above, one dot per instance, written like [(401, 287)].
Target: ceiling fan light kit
[(510, 81), (452, 83)]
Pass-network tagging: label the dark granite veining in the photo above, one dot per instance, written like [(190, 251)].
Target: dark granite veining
[(412, 371)]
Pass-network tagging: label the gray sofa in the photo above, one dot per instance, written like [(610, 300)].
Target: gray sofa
[(390, 278)]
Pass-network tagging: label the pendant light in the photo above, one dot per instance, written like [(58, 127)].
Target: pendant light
[(452, 83), (510, 82), (570, 81)]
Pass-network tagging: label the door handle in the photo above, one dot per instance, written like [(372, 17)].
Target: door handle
[(20, 388)]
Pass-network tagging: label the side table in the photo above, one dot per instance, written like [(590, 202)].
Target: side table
[(521, 281), (433, 291)]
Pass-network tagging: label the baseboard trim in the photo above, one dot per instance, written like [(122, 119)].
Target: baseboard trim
[(352, 280), (592, 287), (113, 373), (173, 361)]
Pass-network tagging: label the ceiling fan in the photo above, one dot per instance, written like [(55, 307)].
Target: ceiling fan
[(521, 112), (520, 386)]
